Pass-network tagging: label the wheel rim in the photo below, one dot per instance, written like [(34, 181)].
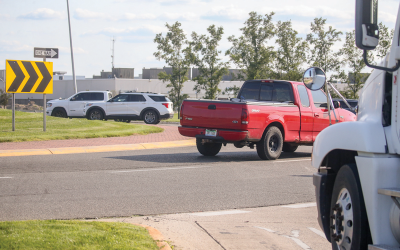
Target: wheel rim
[(273, 143), (95, 115), (150, 117), (342, 225)]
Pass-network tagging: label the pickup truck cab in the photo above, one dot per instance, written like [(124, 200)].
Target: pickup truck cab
[(274, 115), (73, 106)]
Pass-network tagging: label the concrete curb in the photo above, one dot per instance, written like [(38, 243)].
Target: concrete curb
[(98, 149)]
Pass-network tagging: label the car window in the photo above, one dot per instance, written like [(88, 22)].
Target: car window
[(136, 98), (81, 97), (120, 98), (250, 90), (305, 101), (109, 95), (97, 97), (158, 98), (319, 97), (266, 92), (282, 93)]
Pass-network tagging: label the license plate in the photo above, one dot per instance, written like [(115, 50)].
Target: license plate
[(211, 132)]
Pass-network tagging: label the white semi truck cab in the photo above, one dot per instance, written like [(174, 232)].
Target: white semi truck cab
[(358, 180)]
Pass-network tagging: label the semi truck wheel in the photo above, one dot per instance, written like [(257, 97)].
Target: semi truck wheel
[(270, 146), (208, 149), (349, 222), (288, 148)]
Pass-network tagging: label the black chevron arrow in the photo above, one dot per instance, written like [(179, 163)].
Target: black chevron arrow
[(32, 79), (46, 77), (19, 76)]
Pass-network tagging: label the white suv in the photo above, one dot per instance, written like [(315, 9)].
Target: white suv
[(149, 107)]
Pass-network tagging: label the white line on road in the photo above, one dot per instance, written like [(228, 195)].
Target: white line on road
[(298, 242), (292, 160), (319, 232), (220, 213), (301, 205), (5, 177), (157, 169)]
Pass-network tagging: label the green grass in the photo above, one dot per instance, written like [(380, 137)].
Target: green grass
[(55, 234), (174, 119), (29, 127)]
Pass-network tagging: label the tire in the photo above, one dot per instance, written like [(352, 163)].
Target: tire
[(270, 146), (128, 121), (150, 117), (59, 112), (208, 149), (349, 227), (288, 148), (96, 114)]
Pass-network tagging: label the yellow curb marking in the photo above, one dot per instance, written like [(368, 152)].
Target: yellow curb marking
[(97, 149)]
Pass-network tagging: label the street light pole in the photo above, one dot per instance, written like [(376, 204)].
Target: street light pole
[(72, 51)]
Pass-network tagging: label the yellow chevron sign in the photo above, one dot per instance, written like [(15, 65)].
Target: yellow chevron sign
[(29, 77)]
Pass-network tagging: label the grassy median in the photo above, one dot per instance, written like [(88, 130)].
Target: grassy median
[(29, 127), (55, 234)]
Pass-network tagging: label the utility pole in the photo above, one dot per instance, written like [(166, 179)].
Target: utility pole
[(112, 56), (72, 51)]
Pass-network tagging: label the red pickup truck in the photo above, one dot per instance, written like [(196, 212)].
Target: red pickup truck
[(274, 115)]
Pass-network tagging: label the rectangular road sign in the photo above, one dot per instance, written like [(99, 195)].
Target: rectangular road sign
[(29, 77), (45, 52)]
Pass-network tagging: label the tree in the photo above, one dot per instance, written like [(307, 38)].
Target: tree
[(4, 98), (322, 42), (231, 90), (205, 56), (385, 41), (171, 49), (290, 54), (250, 52), (352, 57)]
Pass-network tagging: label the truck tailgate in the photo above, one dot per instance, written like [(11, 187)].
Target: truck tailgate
[(212, 114)]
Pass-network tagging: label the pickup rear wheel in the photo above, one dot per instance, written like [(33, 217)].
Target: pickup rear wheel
[(270, 146), (349, 222), (289, 148), (95, 114), (208, 148)]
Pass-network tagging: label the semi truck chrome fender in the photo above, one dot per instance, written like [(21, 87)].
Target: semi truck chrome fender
[(354, 136)]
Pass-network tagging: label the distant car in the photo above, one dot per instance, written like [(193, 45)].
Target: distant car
[(353, 103), (73, 106), (149, 107)]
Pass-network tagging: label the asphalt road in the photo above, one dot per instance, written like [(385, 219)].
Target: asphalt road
[(149, 182)]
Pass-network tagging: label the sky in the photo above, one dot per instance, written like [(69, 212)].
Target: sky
[(25, 24)]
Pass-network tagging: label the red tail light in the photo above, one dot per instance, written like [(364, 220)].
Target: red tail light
[(245, 116), (181, 112), (166, 105)]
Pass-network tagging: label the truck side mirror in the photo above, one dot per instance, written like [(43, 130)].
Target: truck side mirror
[(314, 78), (336, 104), (367, 30)]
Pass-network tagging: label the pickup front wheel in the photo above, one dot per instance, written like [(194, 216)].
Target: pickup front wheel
[(207, 148), (270, 146)]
